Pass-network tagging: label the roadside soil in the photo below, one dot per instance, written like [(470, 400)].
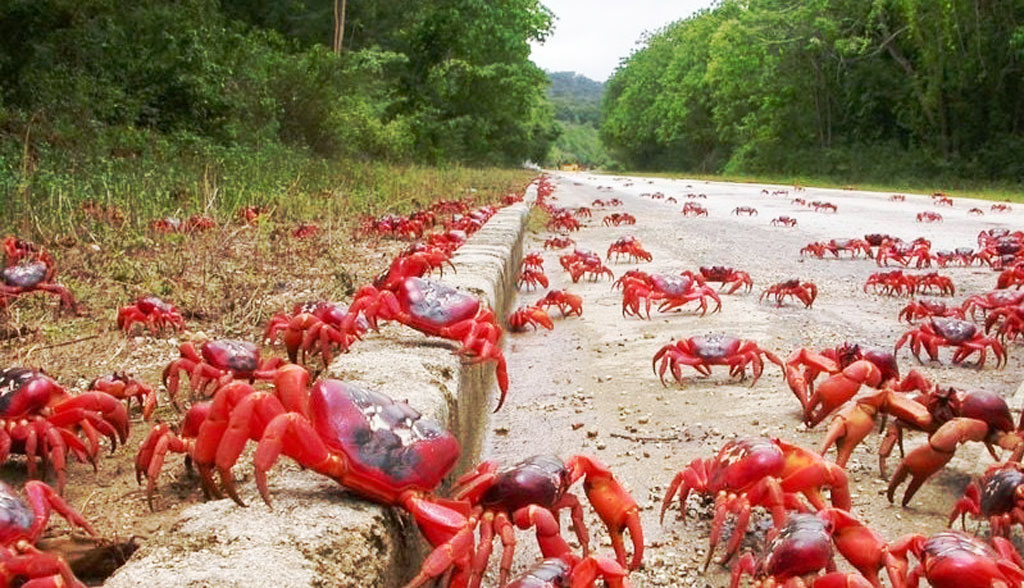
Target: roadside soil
[(588, 385)]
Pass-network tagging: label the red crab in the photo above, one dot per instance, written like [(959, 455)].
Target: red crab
[(672, 292), (976, 211), (40, 419), (853, 246), (934, 281), (849, 367), (929, 217), (531, 278), (33, 276), (942, 201), (533, 260), (898, 198), (21, 525), (558, 242), (747, 210), (568, 304), (124, 387), (532, 492), (1008, 322), (252, 214), (921, 309), (16, 249), (217, 362), (629, 246), (917, 252), (315, 327), (950, 559), (1000, 208), (990, 301), (961, 256), (893, 282), (693, 196), (152, 312), (564, 221), (786, 221), (305, 230), (806, 292), (818, 249), (757, 471), (556, 572), (702, 352), (582, 212), (436, 309), (1012, 276), (803, 546), (965, 336), (528, 316), (997, 496), (619, 218), (823, 206), (379, 448), (694, 209), (727, 277), (799, 201), (582, 262)]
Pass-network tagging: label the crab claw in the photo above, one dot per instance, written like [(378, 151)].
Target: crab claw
[(924, 461), (613, 504)]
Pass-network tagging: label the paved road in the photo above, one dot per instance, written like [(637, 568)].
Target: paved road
[(588, 387)]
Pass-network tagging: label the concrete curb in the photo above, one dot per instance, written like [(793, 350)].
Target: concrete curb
[(317, 535)]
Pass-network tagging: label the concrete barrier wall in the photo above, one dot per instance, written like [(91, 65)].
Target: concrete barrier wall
[(317, 535)]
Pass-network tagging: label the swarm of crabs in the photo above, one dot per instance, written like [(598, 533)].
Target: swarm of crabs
[(385, 451)]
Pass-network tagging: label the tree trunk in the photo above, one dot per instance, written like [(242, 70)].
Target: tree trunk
[(339, 25)]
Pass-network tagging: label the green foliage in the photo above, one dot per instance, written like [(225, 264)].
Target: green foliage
[(848, 89), (579, 144), (576, 98)]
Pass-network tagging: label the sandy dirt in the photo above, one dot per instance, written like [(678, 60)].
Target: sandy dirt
[(588, 387)]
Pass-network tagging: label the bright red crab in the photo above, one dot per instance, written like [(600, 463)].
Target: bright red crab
[(891, 283), (976, 211), (532, 492), (853, 246), (583, 262), (917, 252), (305, 230), (124, 387), (965, 336), (802, 548), (582, 212), (950, 559), (897, 198), (757, 471), (849, 367), (961, 256), (629, 246), (818, 249), (823, 206), (670, 292), (316, 328), (568, 304), (436, 309), (702, 352), (569, 570), (727, 277), (929, 217), (533, 260), (564, 221), (40, 419), (747, 210), (786, 221), (694, 209), (922, 309), (558, 242), (528, 316), (1008, 322), (33, 276), (21, 526), (1011, 277), (935, 281), (217, 362), (990, 301), (16, 249), (153, 313), (1000, 208), (253, 214), (379, 448), (805, 292)]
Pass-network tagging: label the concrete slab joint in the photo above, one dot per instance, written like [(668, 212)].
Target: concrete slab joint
[(317, 535)]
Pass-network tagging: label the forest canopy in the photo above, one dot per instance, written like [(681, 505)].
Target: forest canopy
[(879, 89)]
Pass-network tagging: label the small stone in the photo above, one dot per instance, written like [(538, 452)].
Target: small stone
[(502, 430), (600, 445), (576, 426), (592, 433)]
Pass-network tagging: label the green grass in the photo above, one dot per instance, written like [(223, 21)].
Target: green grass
[(963, 189)]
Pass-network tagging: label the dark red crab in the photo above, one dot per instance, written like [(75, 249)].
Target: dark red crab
[(33, 276), (669, 291), (558, 572), (965, 336), (757, 471), (922, 309), (41, 420), (379, 448), (727, 277), (436, 309), (997, 496), (152, 312), (217, 362), (532, 492), (702, 352), (21, 526), (805, 292), (950, 559)]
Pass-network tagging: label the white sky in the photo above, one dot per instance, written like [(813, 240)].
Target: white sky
[(591, 36)]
